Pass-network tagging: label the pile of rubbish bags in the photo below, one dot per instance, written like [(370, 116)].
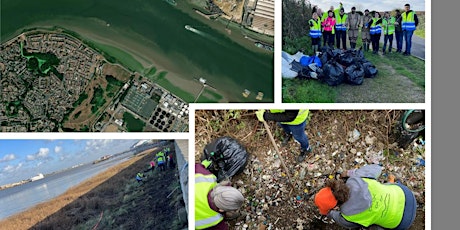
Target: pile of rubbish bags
[(333, 66)]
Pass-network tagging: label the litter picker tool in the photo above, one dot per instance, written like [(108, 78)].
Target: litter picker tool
[(278, 152)]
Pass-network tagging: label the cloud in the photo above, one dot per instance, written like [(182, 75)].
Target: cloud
[(8, 157), (57, 149), (8, 168), (97, 144), (11, 168), (41, 154)]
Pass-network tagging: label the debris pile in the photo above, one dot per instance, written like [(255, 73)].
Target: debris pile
[(332, 66), (341, 140)]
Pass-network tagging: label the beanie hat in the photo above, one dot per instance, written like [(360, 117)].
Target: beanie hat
[(325, 200), (227, 198)]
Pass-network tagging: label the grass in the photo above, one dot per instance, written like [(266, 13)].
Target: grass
[(176, 90), (133, 124), (98, 99), (298, 91), (420, 31)]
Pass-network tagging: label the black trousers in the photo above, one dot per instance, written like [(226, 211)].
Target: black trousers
[(329, 38), (341, 35), (375, 38)]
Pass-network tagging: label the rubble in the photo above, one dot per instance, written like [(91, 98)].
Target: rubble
[(342, 140)]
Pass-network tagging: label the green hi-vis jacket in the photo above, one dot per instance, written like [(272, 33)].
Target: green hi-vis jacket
[(387, 206)]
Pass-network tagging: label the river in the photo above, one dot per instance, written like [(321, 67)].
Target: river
[(22, 197), (154, 33)]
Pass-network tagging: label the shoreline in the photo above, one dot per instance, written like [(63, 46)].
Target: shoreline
[(91, 40), (28, 218)]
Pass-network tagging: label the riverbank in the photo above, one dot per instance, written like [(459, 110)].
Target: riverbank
[(153, 34), (34, 215)]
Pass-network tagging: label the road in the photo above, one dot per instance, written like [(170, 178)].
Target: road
[(418, 46)]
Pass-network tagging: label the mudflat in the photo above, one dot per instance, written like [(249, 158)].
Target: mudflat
[(153, 34)]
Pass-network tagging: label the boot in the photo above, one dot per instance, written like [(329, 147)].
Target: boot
[(287, 137), (365, 48), (303, 154)]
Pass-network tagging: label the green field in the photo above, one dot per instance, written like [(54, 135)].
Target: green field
[(133, 124)]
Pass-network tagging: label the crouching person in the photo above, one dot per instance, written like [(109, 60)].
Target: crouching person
[(213, 201), (363, 201)]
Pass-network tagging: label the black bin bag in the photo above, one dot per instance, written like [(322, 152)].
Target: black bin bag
[(355, 74), (229, 157), (333, 73), (370, 71)]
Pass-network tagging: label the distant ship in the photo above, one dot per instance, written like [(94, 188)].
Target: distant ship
[(37, 177), (260, 96), (246, 93), (188, 27)]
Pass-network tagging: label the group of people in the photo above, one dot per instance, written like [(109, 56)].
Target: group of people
[(355, 200), (334, 24), (162, 159)]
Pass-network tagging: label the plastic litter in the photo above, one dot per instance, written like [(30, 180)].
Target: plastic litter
[(355, 74), (333, 73), (229, 157), (370, 71)]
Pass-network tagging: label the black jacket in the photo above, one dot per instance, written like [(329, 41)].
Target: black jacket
[(286, 116)]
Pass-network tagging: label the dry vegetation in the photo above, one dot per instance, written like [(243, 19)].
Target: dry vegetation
[(83, 116), (29, 218), (270, 200)]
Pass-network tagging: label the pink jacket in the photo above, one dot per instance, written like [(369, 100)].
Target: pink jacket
[(328, 24)]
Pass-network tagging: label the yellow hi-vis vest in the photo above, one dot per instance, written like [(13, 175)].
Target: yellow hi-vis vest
[(205, 217), (387, 206), (301, 116), (408, 21), (388, 25), (315, 30), (161, 157), (340, 21)]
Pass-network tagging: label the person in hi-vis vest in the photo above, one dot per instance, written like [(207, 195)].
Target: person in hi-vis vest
[(409, 23), (213, 201), (362, 201), (293, 123), (315, 33), (388, 27)]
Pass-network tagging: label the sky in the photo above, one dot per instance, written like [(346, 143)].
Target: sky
[(380, 5), (23, 159)]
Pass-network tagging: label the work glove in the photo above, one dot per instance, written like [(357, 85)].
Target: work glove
[(206, 163), (260, 114)]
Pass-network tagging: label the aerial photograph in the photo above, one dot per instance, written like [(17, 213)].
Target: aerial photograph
[(94, 184), (109, 66)]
